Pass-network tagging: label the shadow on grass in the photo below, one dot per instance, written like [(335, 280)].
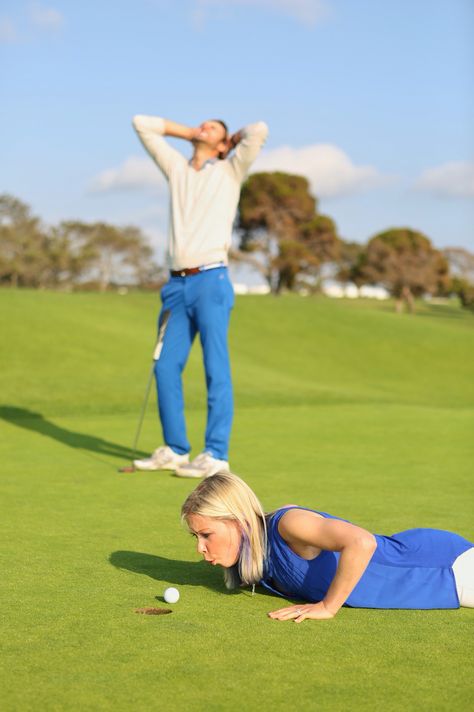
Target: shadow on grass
[(188, 573), (30, 420), (183, 573), (445, 311)]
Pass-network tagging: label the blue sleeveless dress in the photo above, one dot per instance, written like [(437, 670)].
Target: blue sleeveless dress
[(412, 569)]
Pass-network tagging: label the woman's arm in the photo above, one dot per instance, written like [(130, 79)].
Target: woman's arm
[(304, 530)]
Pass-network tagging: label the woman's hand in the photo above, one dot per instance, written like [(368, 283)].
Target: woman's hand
[(298, 614)]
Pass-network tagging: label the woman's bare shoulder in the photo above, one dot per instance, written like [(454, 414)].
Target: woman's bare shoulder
[(291, 521), (298, 527)]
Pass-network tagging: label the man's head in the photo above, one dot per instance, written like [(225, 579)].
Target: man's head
[(213, 134)]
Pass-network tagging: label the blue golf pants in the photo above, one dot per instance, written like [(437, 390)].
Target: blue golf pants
[(199, 303)]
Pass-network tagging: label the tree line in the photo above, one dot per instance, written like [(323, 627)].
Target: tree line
[(72, 254), (284, 236), (280, 233)]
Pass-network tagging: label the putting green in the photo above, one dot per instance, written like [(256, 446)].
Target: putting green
[(343, 406)]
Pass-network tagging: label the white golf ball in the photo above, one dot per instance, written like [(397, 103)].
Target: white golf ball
[(171, 595)]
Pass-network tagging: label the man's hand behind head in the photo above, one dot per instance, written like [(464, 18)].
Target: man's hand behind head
[(231, 143)]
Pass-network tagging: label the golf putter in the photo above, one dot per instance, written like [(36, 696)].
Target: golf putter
[(156, 356)]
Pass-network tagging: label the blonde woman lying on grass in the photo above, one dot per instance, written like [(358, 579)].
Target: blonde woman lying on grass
[(321, 560)]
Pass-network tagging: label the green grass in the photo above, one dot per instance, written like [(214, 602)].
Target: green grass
[(343, 406)]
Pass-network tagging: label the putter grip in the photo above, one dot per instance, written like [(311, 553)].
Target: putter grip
[(161, 335), (157, 351)]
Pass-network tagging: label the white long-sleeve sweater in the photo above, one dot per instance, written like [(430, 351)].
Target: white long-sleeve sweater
[(202, 203)]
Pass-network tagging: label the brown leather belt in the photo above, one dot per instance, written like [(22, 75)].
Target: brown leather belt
[(185, 272)]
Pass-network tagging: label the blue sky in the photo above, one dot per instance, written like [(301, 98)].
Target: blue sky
[(372, 101)]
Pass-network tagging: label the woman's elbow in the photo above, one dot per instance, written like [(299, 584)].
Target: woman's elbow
[(364, 543), (368, 543)]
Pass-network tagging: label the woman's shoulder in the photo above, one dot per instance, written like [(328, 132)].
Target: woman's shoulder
[(296, 510), (294, 517), (274, 516), (297, 527), (287, 519)]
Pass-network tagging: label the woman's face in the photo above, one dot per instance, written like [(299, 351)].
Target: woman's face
[(218, 540)]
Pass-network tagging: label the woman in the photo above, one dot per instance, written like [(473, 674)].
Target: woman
[(323, 560)]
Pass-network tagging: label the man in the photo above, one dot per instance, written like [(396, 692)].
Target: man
[(198, 298)]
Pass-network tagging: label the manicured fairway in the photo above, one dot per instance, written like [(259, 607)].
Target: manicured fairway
[(343, 406)]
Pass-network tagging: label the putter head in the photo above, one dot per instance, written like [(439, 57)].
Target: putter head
[(127, 468)]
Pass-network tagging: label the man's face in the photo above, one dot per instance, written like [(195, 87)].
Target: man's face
[(213, 134)]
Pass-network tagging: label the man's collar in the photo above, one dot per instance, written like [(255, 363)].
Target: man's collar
[(210, 162)]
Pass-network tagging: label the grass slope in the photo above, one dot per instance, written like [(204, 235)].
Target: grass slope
[(344, 406)]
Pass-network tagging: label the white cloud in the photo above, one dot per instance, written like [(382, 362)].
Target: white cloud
[(46, 18), (134, 173), (308, 12), (38, 19), (8, 33), (329, 170), (453, 180)]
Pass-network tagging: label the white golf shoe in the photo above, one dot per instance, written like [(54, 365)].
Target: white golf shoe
[(164, 458), (204, 465)]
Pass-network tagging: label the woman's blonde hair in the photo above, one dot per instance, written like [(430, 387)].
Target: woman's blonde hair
[(226, 496)]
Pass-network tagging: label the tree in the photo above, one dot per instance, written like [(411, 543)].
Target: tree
[(70, 253), (292, 260), (278, 220), (349, 260), (405, 262), (138, 257), (108, 248), (464, 290), (322, 243), (461, 264), (23, 245), (116, 254)]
